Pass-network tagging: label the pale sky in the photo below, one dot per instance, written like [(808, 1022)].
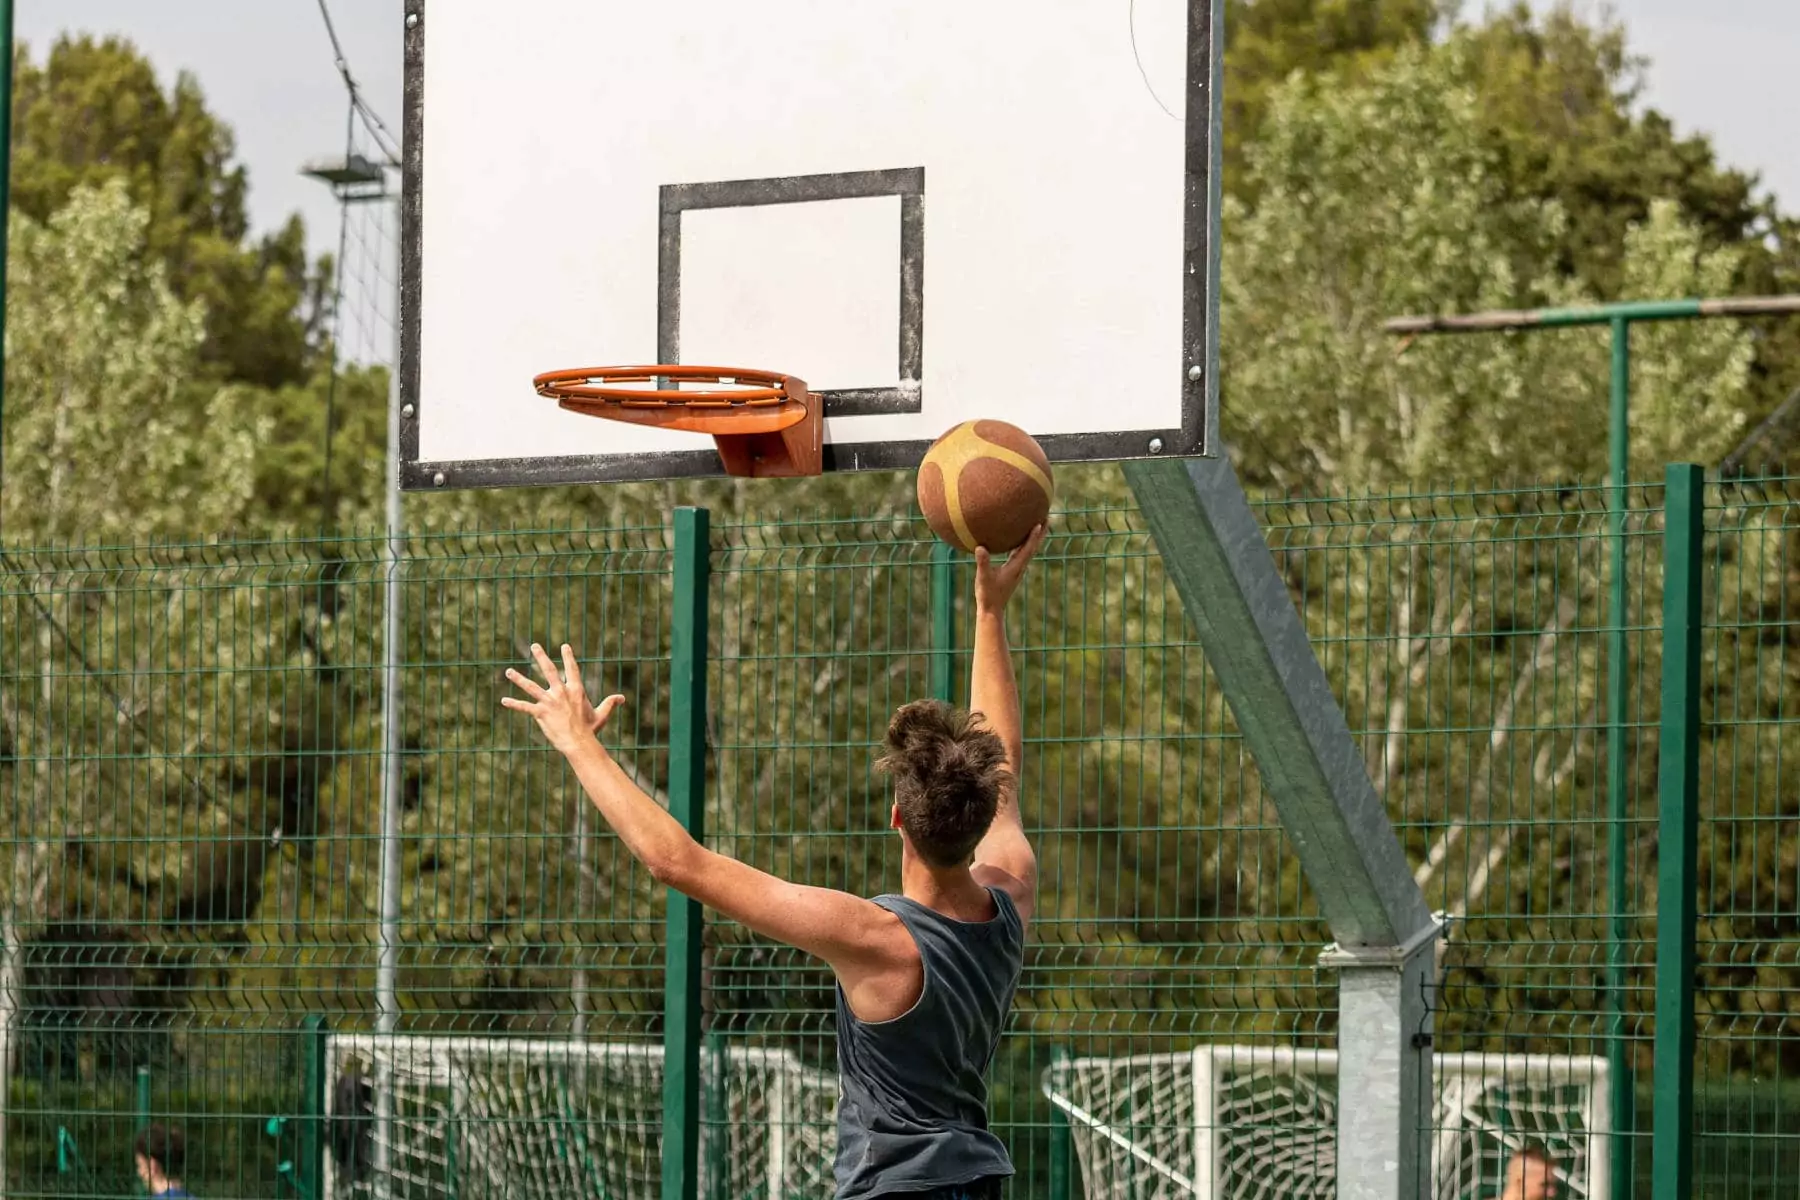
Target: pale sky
[(1724, 68), (1717, 66), (266, 68)]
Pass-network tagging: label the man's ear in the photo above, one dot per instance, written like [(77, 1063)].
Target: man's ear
[(894, 818)]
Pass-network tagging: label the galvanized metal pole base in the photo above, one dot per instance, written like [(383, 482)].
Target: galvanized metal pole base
[(1384, 1068), (1257, 648)]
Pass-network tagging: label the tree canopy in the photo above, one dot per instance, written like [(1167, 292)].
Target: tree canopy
[(1268, 41), (1561, 117), (99, 351), (1379, 198), (92, 112)]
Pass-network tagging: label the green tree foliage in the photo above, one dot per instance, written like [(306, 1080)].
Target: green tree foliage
[(94, 111), (93, 119), (1562, 120), (99, 352), (294, 489), (1267, 41), (1382, 198), (1562, 107), (1690, 389)]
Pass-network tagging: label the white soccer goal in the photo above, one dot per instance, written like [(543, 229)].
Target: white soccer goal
[(1224, 1122), (496, 1118)]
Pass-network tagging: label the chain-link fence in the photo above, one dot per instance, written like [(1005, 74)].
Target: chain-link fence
[(194, 863)]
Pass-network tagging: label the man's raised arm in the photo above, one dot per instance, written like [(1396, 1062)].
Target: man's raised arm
[(848, 932), (1004, 858)]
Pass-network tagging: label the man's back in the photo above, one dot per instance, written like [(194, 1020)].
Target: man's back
[(913, 1113)]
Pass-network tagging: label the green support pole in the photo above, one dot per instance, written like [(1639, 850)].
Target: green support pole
[(7, 1048), (687, 804), (1618, 502), (718, 1138), (309, 1168), (1678, 828), (141, 1110), (943, 622), (6, 110), (1596, 314)]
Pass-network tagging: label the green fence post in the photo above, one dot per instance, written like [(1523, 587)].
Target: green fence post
[(1061, 1147), (943, 622), (718, 1138), (687, 804), (1678, 827), (309, 1169), (1618, 690), (6, 112), (140, 1110)]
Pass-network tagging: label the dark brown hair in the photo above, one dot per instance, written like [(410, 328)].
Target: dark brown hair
[(948, 771), (163, 1146)]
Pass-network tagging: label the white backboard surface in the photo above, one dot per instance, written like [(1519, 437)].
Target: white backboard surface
[(930, 211)]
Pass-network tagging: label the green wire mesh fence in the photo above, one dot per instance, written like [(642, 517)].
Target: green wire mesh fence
[(193, 862)]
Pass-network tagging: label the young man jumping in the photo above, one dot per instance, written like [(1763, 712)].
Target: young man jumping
[(925, 979)]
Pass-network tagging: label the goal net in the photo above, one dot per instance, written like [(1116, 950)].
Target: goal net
[(474, 1118), (1260, 1123)]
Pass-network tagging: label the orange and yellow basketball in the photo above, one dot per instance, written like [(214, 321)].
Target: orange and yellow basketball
[(985, 483)]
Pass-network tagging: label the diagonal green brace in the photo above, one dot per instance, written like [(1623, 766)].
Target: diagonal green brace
[(1256, 646), (1385, 956)]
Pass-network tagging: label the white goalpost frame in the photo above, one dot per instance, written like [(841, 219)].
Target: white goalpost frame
[(777, 1135), (7, 1009), (391, 1054), (1206, 1150), (1206, 1060), (1542, 1070)]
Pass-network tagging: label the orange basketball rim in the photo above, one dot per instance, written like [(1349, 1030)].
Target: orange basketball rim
[(764, 423)]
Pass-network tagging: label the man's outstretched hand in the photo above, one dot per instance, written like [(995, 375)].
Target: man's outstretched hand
[(560, 705), (994, 586)]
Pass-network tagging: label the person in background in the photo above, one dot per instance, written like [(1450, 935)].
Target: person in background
[(1530, 1175), (161, 1158)]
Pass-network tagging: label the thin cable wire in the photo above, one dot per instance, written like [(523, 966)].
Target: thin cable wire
[(337, 47), (353, 334), (378, 130)]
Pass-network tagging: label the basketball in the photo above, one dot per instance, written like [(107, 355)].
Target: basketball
[(985, 483)]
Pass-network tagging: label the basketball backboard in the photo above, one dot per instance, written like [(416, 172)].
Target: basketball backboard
[(929, 211)]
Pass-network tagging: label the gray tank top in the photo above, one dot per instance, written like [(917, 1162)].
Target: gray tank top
[(912, 1111)]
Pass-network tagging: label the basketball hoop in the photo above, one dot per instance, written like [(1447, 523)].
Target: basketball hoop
[(765, 424)]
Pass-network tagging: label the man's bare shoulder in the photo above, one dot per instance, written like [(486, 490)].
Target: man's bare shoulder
[(1022, 892)]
